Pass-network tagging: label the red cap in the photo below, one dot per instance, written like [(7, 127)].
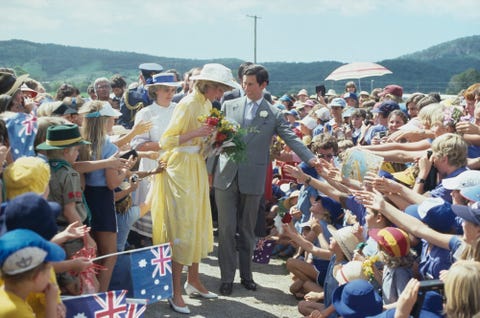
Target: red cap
[(393, 90)]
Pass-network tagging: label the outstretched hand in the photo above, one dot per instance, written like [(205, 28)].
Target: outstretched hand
[(373, 200), (407, 299), (295, 172)]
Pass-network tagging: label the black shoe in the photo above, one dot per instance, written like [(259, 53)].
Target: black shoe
[(226, 289), (248, 284)]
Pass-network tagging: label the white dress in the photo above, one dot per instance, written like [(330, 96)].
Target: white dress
[(160, 117)]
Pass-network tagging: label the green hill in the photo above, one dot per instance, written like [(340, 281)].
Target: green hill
[(53, 64)]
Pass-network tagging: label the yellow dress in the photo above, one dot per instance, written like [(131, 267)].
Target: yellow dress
[(181, 211)]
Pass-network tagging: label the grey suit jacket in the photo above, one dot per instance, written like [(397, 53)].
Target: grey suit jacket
[(251, 174)]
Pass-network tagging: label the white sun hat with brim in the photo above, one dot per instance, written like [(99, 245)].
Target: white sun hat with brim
[(164, 79), (216, 73)]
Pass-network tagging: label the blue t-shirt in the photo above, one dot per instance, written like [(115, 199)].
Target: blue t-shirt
[(372, 131), (97, 178), (433, 261), (304, 204), (441, 192)]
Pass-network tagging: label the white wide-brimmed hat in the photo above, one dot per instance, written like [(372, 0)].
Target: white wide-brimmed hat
[(217, 73), (165, 79)]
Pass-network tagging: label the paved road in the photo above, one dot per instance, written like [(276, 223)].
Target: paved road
[(271, 299)]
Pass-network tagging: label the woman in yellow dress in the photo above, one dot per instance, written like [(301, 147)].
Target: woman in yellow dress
[(180, 200)]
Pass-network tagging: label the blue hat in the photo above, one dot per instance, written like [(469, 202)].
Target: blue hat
[(286, 98), (350, 95), (333, 207), (22, 250), (357, 298), (165, 79), (31, 211), (435, 212), (471, 193), (468, 213), (386, 107), (337, 102)]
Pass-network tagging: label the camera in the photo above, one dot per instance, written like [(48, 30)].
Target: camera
[(381, 134), (134, 178), (320, 90), (434, 285)]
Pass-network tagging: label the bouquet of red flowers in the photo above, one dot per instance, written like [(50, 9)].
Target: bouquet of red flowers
[(227, 137)]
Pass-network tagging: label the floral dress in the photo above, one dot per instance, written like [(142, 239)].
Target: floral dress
[(181, 211)]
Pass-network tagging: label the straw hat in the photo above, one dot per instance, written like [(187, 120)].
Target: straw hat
[(345, 239)]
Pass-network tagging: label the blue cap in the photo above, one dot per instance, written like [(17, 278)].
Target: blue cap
[(471, 193), (22, 250), (350, 95), (286, 98), (32, 211), (338, 102), (386, 107), (470, 214), (435, 212)]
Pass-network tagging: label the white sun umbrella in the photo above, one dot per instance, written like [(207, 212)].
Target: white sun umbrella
[(358, 70)]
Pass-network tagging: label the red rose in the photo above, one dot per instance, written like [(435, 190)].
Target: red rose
[(221, 137), (212, 121), (287, 218)]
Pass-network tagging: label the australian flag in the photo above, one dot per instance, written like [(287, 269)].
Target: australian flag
[(152, 273), (111, 304), (22, 129), (263, 251)]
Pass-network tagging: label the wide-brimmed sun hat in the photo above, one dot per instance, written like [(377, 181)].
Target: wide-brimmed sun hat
[(345, 239), (216, 73), (62, 136), (357, 298)]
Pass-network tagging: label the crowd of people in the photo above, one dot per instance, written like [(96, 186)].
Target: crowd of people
[(126, 167)]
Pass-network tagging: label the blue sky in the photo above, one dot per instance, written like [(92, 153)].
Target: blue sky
[(292, 31)]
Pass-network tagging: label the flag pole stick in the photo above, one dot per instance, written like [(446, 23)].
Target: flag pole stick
[(124, 252)]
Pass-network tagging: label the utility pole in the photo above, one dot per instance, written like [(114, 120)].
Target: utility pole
[(254, 36)]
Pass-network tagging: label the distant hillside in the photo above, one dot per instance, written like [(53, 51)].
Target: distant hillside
[(53, 64), (456, 49)]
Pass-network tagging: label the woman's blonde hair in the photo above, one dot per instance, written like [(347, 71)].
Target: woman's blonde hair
[(203, 85), (452, 146), (461, 289), (94, 129)]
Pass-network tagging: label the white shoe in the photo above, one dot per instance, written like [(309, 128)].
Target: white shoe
[(190, 290), (182, 310)]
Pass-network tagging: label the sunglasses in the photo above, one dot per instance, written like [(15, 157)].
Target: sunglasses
[(322, 156)]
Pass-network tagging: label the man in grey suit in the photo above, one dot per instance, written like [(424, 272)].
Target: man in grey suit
[(240, 186)]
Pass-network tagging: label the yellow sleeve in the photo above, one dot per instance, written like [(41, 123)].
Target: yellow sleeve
[(37, 300)]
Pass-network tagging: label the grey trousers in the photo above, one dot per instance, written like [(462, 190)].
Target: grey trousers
[(236, 212)]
